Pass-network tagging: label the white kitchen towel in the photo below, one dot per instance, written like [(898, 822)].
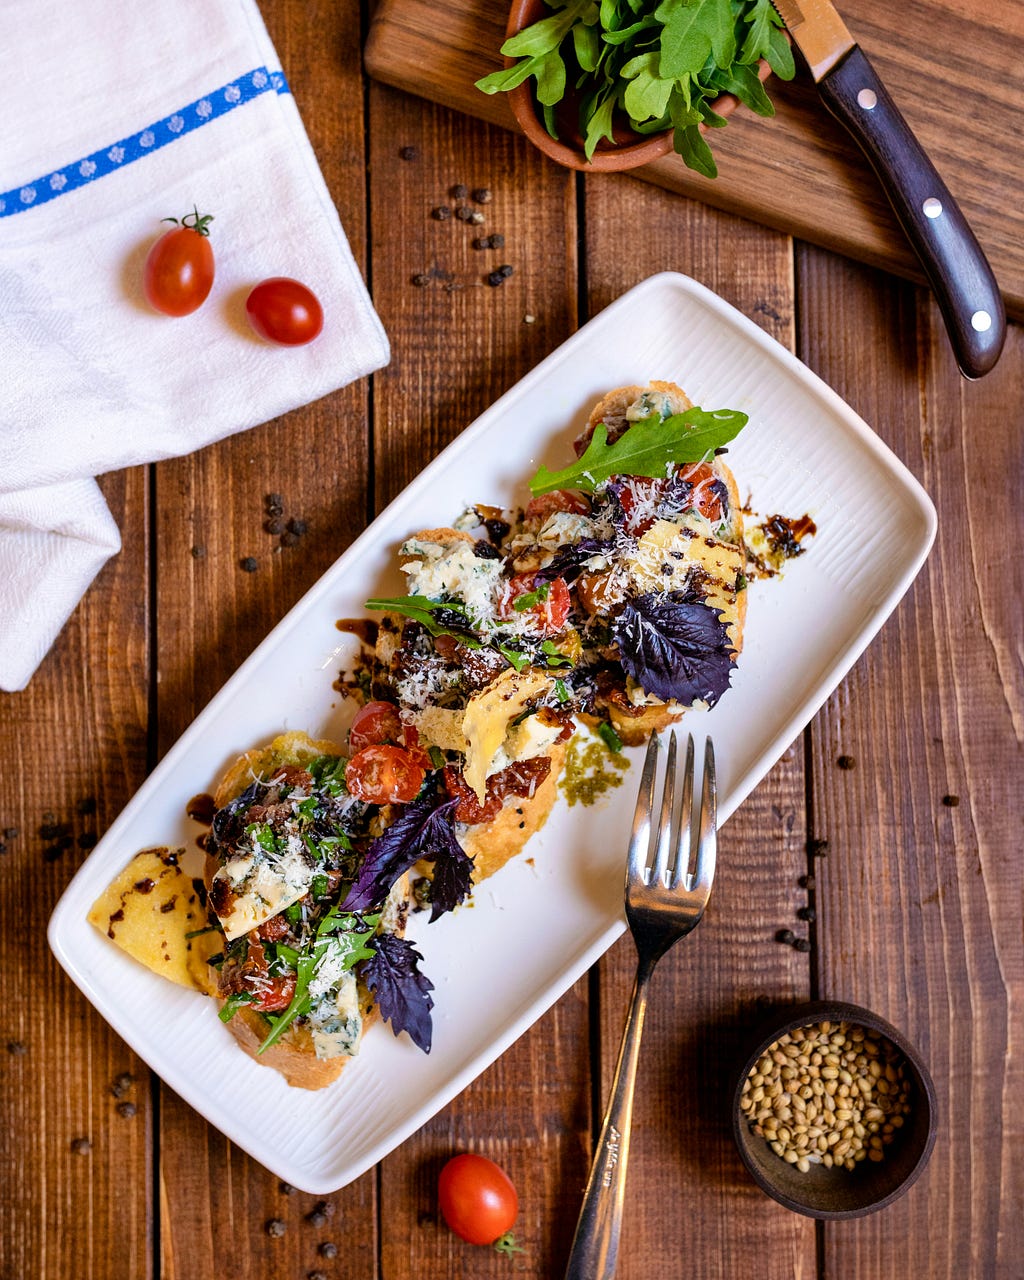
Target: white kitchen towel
[(117, 114)]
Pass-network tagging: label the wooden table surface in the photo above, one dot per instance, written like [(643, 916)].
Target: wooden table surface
[(902, 799)]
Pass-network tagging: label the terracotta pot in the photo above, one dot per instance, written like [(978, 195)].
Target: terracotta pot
[(629, 149)]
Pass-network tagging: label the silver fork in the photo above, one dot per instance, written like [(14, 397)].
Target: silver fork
[(662, 906)]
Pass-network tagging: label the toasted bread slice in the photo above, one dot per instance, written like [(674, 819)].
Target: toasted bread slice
[(294, 1055)]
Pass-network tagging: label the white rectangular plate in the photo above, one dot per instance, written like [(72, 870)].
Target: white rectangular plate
[(546, 917)]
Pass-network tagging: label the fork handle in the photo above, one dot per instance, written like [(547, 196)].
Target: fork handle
[(595, 1246)]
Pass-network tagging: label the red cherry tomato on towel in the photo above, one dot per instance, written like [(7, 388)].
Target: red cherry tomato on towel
[(178, 275), (284, 311), (478, 1200), (384, 775)]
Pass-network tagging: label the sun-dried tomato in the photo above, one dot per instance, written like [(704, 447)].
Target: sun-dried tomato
[(519, 779)]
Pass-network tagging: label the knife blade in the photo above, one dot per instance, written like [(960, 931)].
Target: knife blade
[(956, 267)]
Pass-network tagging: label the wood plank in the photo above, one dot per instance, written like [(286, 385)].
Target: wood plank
[(458, 344), (800, 172), (919, 897), (709, 991), (215, 1202), (74, 747)]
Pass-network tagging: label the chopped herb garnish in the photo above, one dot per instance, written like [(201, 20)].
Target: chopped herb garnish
[(530, 598), (606, 732), (233, 1003), (561, 691)]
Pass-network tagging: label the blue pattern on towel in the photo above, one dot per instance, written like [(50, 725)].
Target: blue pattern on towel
[(152, 138)]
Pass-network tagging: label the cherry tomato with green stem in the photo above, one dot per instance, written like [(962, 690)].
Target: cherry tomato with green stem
[(478, 1201), (178, 275), (285, 312)]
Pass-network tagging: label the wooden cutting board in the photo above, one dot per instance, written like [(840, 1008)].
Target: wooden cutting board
[(956, 70)]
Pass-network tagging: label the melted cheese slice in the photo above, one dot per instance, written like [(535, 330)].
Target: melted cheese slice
[(669, 551), (488, 720)]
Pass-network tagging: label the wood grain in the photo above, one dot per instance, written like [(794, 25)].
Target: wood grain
[(800, 172), (919, 897), (74, 750)]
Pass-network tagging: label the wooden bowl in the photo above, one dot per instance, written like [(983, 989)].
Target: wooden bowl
[(829, 1193), (629, 149)]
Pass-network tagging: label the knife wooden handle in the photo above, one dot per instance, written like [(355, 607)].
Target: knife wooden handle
[(954, 263)]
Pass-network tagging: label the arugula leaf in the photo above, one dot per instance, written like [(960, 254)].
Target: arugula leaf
[(675, 647), (438, 617), (647, 448), (402, 993), (654, 63), (233, 1003), (423, 830)]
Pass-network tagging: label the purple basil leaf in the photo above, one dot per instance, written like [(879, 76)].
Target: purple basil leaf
[(675, 647), (423, 829), (402, 993), (451, 881), (567, 561)]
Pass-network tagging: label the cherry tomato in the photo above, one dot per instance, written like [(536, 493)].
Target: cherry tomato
[(546, 504), (374, 723), (382, 774), (284, 311), (478, 1200), (706, 495), (549, 613), (178, 275)]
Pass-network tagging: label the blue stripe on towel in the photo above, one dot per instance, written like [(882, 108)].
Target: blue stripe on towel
[(152, 138)]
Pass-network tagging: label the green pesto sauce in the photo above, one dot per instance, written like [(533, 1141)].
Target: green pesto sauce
[(591, 770)]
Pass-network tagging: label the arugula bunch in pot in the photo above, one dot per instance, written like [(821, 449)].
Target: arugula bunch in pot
[(650, 65)]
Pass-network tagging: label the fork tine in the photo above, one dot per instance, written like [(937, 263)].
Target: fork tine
[(668, 806), (682, 850), (707, 839), (640, 840)]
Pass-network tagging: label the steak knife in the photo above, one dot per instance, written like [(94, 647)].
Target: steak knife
[(957, 269)]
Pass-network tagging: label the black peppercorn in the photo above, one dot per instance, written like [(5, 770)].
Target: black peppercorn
[(846, 762), (408, 153), (122, 1084), (198, 553), (419, 280), (10, 833), (275, 1228), (87, 840), (482, 242), (441, 213), (126, 1110), (80, 1146), (507, 270), (463, 213), (786, 936), (17, 1047), (328, 1249), (497, 241), (819, 848), (274, 526), (274, 500), (286, 1189), (801, 944), (459, 191), (249, 564), (807, 913), (316, 1275), (806, 882), (951, 802), (495, 278), (297, 526), (288, 538), (482, 195)]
